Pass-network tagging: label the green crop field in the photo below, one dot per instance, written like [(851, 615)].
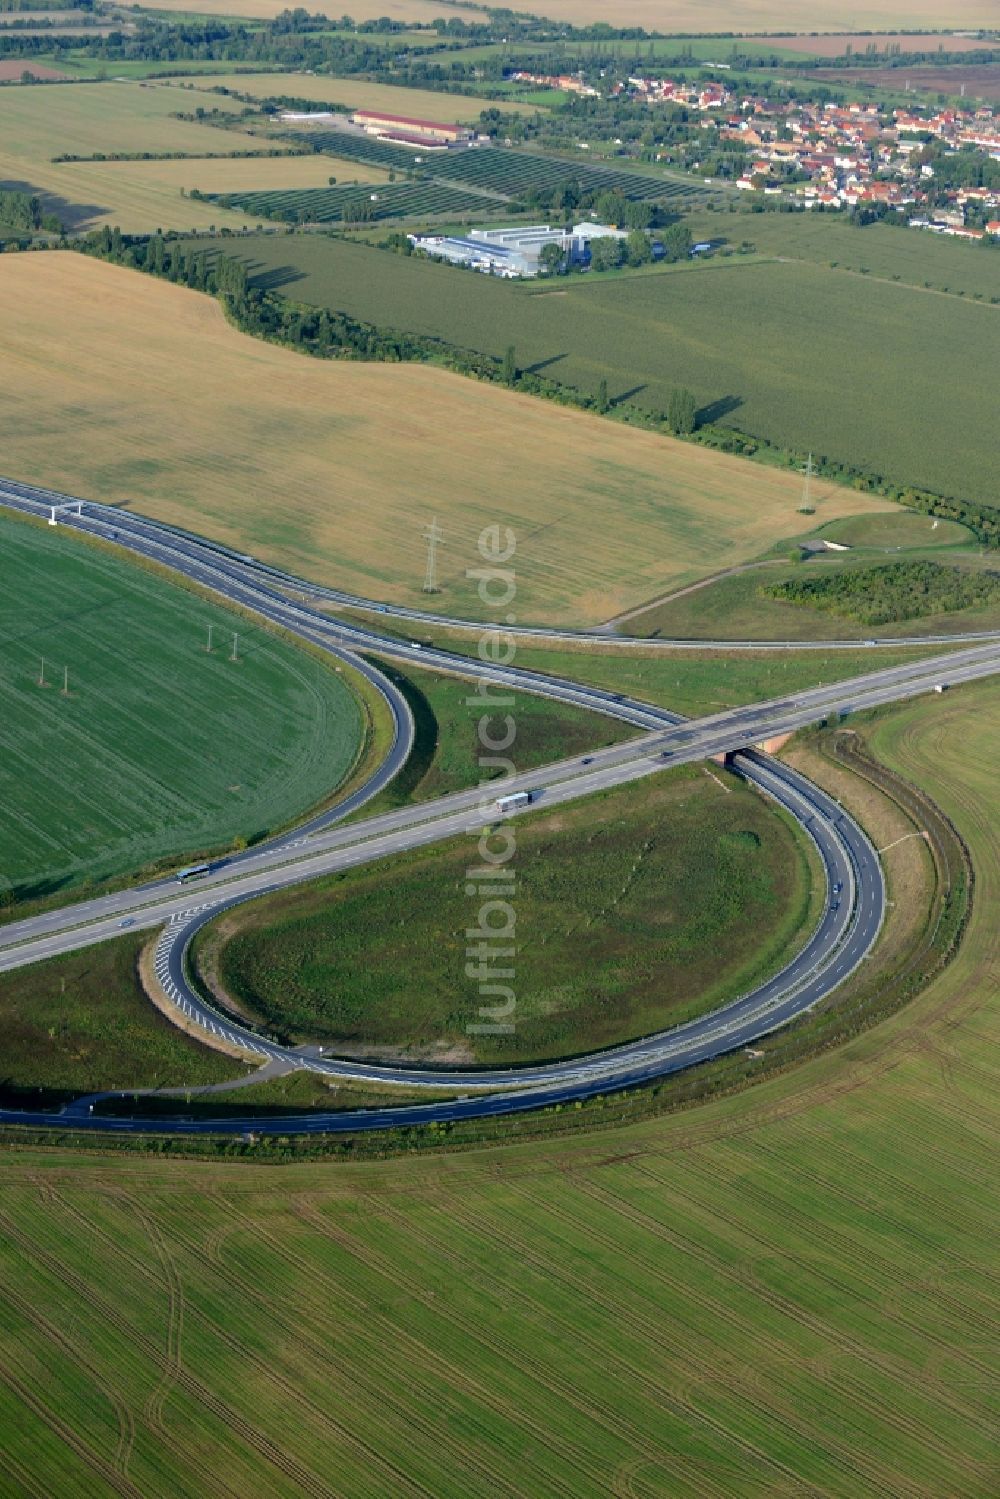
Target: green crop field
[(789, 1290), (610, 943), (930, 262), (159, 749), (772, 348)]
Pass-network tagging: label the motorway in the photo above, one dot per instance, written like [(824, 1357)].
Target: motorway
[(842, 939)]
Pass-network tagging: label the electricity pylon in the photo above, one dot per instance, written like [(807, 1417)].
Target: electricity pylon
[(432, 536), (807, 507)]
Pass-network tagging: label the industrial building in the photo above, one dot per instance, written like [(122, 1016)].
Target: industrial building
[(515, 251), (404, 131)]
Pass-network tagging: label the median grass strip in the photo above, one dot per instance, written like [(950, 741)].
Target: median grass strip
[(692, 682), (610, 943)]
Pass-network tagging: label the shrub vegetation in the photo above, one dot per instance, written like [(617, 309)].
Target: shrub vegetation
[(895, 591)]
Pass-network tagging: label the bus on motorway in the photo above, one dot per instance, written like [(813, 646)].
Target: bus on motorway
[(193, 872)]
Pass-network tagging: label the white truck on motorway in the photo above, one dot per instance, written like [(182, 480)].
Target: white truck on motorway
[(516, 799)]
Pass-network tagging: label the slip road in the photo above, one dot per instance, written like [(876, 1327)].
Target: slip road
[(842, 939)]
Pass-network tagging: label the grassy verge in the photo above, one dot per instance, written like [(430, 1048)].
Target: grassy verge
[(751, 611), (692, 682), (81, 1023), (447, 749), (296, 1092)]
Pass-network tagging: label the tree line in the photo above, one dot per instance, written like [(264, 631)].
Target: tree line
[(325, 333), (23, 211)]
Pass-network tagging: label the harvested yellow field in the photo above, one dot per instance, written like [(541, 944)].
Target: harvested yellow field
[(37, 124), (87, 194), (356, 93), (148, 185), (119, 387), (360, 10), (697, 16)]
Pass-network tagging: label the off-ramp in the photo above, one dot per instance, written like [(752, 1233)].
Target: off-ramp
[(842, 939)]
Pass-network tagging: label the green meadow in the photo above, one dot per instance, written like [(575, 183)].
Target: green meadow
[(611, 944)]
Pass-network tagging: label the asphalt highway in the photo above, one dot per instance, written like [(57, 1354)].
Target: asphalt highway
[(336, 847), (842, 939)]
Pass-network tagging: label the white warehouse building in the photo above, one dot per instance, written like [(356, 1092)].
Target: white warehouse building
[(515, 251)]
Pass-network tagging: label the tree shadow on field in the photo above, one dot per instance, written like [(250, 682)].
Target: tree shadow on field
[(627, 395), (543, 364), (716, 410), (71, 215), (275, 276), (39, 889)]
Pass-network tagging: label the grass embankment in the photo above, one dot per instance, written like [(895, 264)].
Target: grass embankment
[(747, 610), (786, 1290), (745, 599), (447, 749), (82, 1023), (160, 749), (633, 911), (767, 345), (336, 470), (695, 682)]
